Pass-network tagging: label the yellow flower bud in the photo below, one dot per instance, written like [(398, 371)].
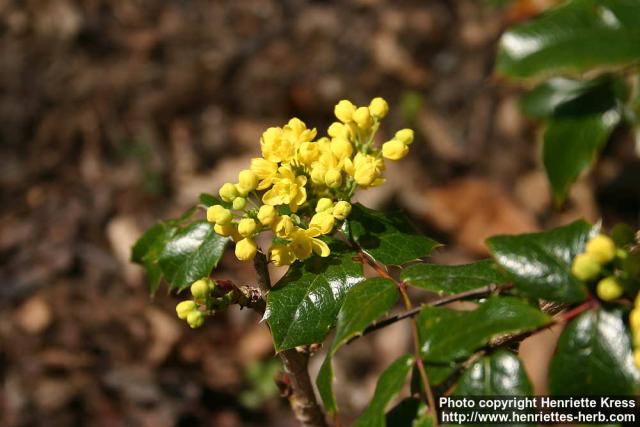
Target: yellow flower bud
[(219, 215), (248, 180), (184, 308), (344, 110), (322, 221), (228, 192), (225, 230), (247, 227), (283, 227), (341, 148), (405, 135), (324, 204), (318, 171), (378, 107), (338, 130), (365, 174), (602, 248), (308, 152), (200, 289), (195, 319), (394, 149), (333, 178), (241, 191), (341, 210), (609, 289), (267, 214), (246, 249), (585, 267), (362, 117), (239, 203), (281, 255), (634, 319)]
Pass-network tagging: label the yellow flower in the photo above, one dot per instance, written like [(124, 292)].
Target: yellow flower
[(365, 169), (344, 111), (341, 148), (318, 171), (338, 130), (239, 203), (296, 132), (184, 308), (341, 210), (324, 204), (283, 227), (585, 266), (378, 107), (308, 152), (394, 149), (247, 227), (246, 249), (281, 255), (200, 289), (362, 117), (304, 242), (404, 135), (265, 170), (227, 230), (228, 192), (602, 248), (275, 148), (333, 178), (609, 289), (219, 215), (267, 214), (322, 221), (248, 180), (195, 319), (287, 189)]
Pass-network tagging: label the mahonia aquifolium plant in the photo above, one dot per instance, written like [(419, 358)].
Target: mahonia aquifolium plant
[(300, 189)]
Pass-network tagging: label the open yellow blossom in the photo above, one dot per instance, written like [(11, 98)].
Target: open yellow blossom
[(275, 148), (288, 189), (246, 249), (283, 227), (304, 243), (280, 255), (266, 172), (296, 132), (323, 221)]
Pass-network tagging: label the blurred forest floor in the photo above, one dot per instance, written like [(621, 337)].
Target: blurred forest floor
[(115, 114)]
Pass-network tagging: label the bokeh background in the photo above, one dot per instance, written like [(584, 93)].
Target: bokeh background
[(114, 114)]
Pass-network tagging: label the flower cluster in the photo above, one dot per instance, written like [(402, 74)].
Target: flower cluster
[(299, 190), (208, 296), (595, 263)]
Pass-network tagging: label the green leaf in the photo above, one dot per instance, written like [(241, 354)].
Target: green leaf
[(410, 412), (571, 145), (387, 238), (563, 97), (389, 385), (540, 263), (575, 37), (448, 335), (594, 357), (364, 303), (452, 279), (147, 249), (191, 253), (500, 374), (210, 200), (303, 306)]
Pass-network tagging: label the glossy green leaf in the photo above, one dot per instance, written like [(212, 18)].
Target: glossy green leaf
[(540, 263), (389, 385), (147, 249), (594, 357), (563, 97), (410, 412), (571, 144), (364, 303), (448, 335), (210, 200), (574, 37), (191, 253), (452, 279), (303, 306), (388, 238), (500, 374)]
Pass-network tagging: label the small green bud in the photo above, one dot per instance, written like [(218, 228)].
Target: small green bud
[(585, 267), (609, 289), (184, 308), (195, 319)]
